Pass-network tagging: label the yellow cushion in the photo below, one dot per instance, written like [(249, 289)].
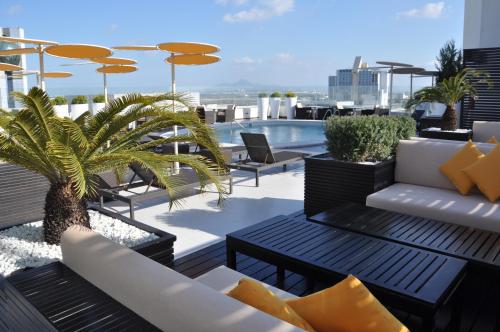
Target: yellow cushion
[(452, 169), (486, 174), (256, 295), (492, 140), (346, 307)]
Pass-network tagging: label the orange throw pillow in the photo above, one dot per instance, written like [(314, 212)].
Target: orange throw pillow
[(486, 174), (254, 294), (346, 307), (492, 140), (452, 169)]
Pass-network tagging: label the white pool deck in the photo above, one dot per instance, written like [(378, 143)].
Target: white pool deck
[(199, 222)]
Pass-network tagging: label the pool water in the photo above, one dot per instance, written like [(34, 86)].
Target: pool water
[(278, 134)]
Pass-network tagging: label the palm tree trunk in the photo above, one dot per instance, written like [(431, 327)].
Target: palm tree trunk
[(63, 209), (449, 121)]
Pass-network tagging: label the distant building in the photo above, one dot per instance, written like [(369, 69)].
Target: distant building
[(362, 85), (8, 83)]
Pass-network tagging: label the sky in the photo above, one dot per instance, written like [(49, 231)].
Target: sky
[(288, 43)]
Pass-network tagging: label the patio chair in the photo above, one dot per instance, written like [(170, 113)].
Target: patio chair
[(260, 156), (324, 113), (132, 192), (368, 111), (303, 113), (205, 115)]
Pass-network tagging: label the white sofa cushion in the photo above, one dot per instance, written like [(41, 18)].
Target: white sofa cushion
[(167, 299), (483, 130), (223, 279), (438, 204), (418, 161)]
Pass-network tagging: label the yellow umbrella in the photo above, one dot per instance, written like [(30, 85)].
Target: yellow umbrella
[(9, 67), (58, 74), (78, 51), (40, 47), (188, 48), (19, 51), (113, 66), (135, 48)]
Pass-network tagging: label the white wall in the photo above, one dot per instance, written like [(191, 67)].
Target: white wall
[(481, 24)]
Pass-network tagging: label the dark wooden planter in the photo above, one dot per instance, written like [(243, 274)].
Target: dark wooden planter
[(446, 134), (329, 181)]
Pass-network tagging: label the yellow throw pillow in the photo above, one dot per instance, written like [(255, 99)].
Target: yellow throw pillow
[(486, 174), (256, 295), (492, 140), (452, 169), (348, 307)]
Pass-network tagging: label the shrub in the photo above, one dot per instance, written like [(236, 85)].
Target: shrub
[(98, 99), (275, 95), (263, 95), (59, 100), (366, 138), (79, 100), (290, 94)]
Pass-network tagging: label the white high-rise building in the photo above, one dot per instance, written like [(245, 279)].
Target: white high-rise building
[(361, 85), (8, 83)]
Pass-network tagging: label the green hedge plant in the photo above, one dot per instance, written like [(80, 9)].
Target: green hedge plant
[(98, 99), (59, 100), (263, 95), (366, 138), (290, 94), (79, 100), (275, 95)]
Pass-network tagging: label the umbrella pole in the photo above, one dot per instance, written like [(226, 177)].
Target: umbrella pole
[(176, 145), (105, 79), (411, 86), (41, 81), (390, 90)]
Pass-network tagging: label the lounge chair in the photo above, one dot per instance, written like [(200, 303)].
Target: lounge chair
[(133, 192), (227, 115), (303, 113), (324, 113), (205, 115), (260, 156)]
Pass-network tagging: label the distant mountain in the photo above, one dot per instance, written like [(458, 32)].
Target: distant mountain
[(242, 83)]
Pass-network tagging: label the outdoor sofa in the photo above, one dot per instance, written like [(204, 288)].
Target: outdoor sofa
[(421, 190), (161, 296), (482, 131)]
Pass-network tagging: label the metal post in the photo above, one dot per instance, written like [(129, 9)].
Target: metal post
[(176, 145), (105, 79), (390, 90), (411, 86), (41, 81)]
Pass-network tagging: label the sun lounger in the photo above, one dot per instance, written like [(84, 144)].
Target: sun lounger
[(260, 156)]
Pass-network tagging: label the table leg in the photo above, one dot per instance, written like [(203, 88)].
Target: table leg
[(257, 178), (231, 258), (428, 324), (280, 272), (456, 314), (284, 168)]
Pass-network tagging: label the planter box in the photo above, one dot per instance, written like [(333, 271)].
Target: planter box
[(275, 104), (329, 181), (290, 103), (263, 107), (456, 135), (97, 107), (61, 110), (78, 109)]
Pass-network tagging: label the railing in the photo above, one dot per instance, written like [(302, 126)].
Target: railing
[(231, 129)]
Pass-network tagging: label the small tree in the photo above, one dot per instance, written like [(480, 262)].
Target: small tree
[(449, 92), (450, 61), (69, 153)]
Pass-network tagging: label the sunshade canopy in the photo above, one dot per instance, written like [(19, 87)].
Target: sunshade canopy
[(57, 74), (78, 51), (193, 59), (428, 73), (9, 67), (394, 64), (114, 61), (18, 51), (116, 69), (188, 48), (27, 41), (135, 48), (408, 70)]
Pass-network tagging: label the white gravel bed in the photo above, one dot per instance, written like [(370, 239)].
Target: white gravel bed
[(23, 246)]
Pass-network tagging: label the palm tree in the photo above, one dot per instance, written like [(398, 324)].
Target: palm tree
[(449, 92), (449, 62), (69, 153)]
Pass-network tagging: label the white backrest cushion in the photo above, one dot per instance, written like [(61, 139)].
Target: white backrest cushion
[(483, 130), (418, 161), (165, 298)]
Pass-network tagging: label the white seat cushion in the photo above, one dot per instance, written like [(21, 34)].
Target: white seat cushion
[(438, 204), (223, 279), (483, 130), (165, 298)]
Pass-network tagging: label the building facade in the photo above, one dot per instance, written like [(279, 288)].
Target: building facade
[(8, 82), (360, 84)]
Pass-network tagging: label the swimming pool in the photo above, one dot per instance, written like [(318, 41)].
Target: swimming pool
[(280, 133)]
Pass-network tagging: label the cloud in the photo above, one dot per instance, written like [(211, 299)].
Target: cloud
[(432, 10), (113, 27), (14, 9), (233, 2), (284, 57), (246, 60), (263, 10)]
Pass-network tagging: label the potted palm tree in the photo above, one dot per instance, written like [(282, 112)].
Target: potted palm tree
[(450, 91), (60, 106), (69, 153), (275, 103), (290, 102), (263, 105), (79, 105), (98, 104)]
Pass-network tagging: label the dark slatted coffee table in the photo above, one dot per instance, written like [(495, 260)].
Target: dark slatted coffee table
[(417, 281), (481, 248)]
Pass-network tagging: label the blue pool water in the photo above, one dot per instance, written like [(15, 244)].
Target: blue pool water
[(278, 134)]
